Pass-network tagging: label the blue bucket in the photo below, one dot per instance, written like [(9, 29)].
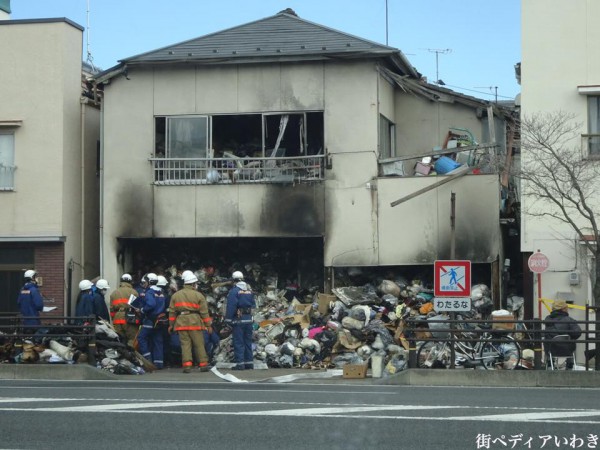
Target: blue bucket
[(444, 165)]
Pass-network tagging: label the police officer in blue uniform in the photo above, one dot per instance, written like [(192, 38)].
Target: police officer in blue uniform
[(150, 338), (30, 301), (240, 305), (85, 305)]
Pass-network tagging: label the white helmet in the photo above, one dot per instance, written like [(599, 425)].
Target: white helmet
[(126, 277), (29, 274), (85, 285), (237, 275), (189, 277), (102, 284), (151, 278), (162, 281)]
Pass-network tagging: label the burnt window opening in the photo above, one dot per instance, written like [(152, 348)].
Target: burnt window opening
[(265, 261), (242, 136)]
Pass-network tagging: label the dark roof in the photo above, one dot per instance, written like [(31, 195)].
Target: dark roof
[(282, 37)]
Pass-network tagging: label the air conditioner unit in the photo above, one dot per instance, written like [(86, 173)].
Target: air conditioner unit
[(574, 278)]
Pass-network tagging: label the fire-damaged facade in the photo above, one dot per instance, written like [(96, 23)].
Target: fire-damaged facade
[(285, 138)]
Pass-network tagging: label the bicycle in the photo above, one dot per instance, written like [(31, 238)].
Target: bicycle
[(489, 349)]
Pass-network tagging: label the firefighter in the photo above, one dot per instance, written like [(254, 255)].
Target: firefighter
[(150, 338), (240, 306), (100, 309), (123, 316), (84, 307), (30, 301), (188, 316), (163, 283)]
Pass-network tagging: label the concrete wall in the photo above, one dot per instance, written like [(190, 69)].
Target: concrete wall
[(557, 38), (350, 209)]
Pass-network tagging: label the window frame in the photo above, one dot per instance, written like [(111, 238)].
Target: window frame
[(387, 131), (10, 165)]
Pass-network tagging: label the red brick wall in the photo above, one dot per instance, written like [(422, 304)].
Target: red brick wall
[(50, 265)]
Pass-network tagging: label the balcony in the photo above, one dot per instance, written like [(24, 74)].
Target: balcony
[(232, 170), (7, 177), (590, 146)]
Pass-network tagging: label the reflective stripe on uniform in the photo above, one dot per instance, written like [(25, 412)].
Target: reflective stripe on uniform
[(187, 305), (119, 322), (190, 328)]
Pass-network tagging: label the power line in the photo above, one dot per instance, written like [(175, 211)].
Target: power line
[(479, 92)]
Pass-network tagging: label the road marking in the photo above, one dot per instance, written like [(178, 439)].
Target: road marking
[(326, 410)]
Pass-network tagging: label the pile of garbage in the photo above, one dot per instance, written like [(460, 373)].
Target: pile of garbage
[(349, 326), (64, 344)]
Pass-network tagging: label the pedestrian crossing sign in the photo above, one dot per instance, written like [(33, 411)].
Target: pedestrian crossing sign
[(452, 278)]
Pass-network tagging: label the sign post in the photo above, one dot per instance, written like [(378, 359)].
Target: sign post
[(538, 263)]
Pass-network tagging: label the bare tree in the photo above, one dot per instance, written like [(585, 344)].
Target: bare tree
[(561, 179)]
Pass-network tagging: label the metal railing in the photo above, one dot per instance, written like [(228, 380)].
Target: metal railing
[(528, 334), (590, 146), (80, 329), (7, 177), (200, 171)]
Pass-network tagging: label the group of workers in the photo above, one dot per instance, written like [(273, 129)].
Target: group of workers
[(154, 312)]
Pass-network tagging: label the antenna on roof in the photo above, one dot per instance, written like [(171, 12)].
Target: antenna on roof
[(437, 52), (89, 58)]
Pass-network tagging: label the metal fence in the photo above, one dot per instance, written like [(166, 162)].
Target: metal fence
[(527, 334), (80, 329), (199, 171), (7, 177)]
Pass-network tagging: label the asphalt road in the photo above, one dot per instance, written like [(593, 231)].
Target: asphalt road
[(147, 415)]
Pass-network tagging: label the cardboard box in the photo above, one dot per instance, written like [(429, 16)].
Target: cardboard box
[(324, 300), (355, 371), (498, 325)]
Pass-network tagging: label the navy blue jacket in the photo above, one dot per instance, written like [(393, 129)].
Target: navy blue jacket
[(240, 302), (100, 308), (30, 303), (85, 304), (154, 304)]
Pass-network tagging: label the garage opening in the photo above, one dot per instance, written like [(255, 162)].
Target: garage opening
[(266, 262)]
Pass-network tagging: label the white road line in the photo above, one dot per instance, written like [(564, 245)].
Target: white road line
[(533, 416), (128, 406), (339, 410)]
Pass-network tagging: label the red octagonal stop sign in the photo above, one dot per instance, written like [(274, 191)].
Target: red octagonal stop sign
[(538, 262)]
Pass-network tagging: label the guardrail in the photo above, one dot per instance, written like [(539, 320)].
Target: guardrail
[(200, 171), (83, 329), (528, 334)]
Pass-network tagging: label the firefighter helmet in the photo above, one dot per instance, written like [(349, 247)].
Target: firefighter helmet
[(85, 285), (237, 275), (102, 284)]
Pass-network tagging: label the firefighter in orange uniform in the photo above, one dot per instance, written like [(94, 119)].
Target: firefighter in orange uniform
[(119, 307), (188, 316)]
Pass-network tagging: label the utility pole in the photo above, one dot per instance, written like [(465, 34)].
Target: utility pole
[(437, 52), (490, 88), (386, 22)]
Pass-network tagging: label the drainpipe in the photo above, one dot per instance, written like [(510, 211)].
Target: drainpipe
[(83, 190), (101, 173)]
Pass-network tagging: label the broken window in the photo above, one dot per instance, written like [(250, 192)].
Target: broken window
[(234, 148)]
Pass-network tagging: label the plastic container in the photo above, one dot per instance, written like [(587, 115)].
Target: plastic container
[(444, 165), (376, 366), (434, 325)]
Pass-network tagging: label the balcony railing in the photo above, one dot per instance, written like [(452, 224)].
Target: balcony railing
[(590, 146), (198, 171), (7, 177)]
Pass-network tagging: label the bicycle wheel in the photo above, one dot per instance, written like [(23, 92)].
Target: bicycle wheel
[(504, 353), (433, 355)]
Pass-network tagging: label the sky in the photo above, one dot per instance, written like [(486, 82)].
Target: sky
[(476, 42)]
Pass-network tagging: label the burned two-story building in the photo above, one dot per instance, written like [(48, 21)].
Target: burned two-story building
[(289, 142)]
